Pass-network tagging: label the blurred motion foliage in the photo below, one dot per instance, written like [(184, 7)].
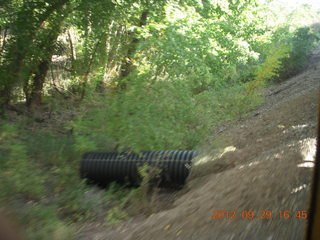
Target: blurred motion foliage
[(140, 75), (37, 182)]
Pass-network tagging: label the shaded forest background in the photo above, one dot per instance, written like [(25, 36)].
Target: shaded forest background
[(81, 75)]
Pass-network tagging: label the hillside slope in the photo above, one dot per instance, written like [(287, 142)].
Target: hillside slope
[(266, 166)]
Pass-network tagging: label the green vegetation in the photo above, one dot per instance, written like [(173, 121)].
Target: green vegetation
[(127, 76)]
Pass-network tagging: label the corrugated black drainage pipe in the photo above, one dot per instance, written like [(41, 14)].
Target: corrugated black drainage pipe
[(106, 167)]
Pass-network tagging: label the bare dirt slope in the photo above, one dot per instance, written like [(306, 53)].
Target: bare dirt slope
[(266, 166)]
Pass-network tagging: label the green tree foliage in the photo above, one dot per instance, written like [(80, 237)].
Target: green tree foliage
[(207, 42)]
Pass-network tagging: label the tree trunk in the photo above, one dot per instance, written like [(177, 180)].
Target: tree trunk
[(87, 73), (35, 97), (127, 65), (14, 71), (34, 87), (114, 54)]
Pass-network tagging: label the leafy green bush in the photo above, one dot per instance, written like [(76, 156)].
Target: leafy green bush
[(269, 69), (144, 117), (283, 56), (302, 43), (162, 115)]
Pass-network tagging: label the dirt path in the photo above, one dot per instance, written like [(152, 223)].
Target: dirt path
[(266, 166)]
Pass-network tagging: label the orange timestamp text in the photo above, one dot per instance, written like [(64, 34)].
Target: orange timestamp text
[(263, 214)]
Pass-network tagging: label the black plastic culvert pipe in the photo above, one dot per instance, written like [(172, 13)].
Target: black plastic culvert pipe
[(106, 167)]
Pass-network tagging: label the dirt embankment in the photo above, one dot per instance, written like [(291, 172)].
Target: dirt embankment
[(265, 165)]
